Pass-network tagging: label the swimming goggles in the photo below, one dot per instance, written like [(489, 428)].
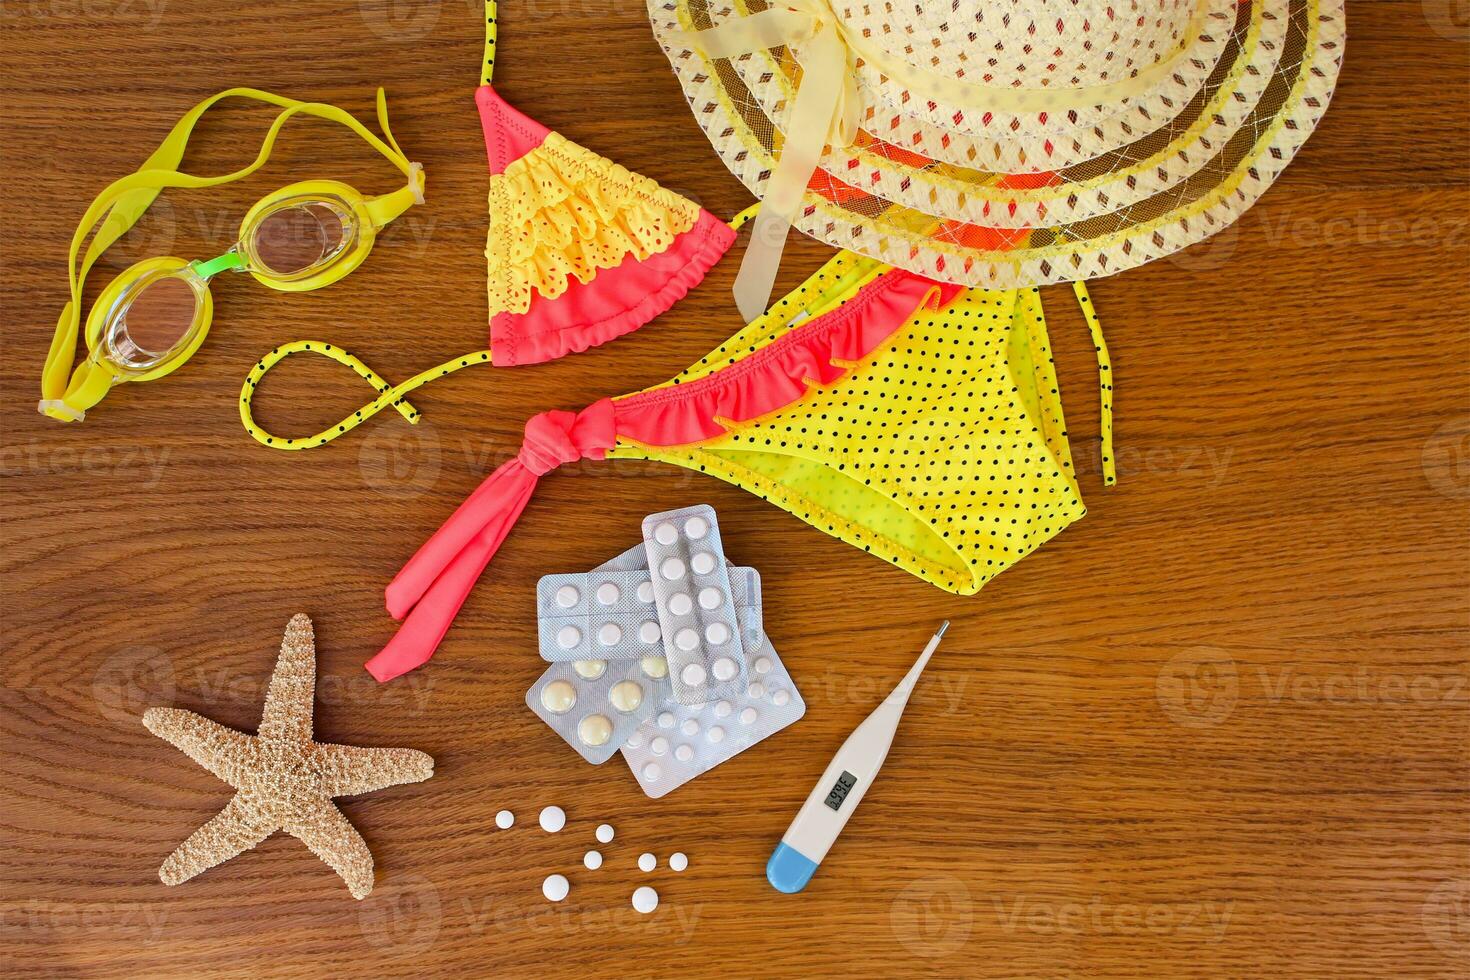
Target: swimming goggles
[(155, 314)]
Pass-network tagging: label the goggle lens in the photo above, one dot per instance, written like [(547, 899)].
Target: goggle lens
[(299, 238), (158, 317)]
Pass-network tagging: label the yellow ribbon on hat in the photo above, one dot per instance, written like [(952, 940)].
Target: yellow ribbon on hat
[(829, 105)]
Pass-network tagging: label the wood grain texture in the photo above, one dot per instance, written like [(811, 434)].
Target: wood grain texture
[(1218, 727)]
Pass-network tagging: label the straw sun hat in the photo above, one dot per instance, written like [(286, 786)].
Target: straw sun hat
[(1001, 143)]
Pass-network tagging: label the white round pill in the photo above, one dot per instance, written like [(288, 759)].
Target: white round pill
[(607, 593), (634, 740), (611, 634), (693, 675), (592, 860), (672, 569), (666, 719), (589, 669), (567, 596), (678, 861), (724, 668), (626, 696), (594, 730), (651, 771), (568, 637), (723, 709), (645, 899), (666, 533), (558, 697), (505, 819), (645, 591), (780, 698), (763, 665), (686, 639), (696, 527), (655, 667), (555, 888), (710, 598), (690, 726), (553, 819), (717, 634), (647, 862), (755, 690), (703, 563), (604, 833), (648, 632), (680, 605), (684, 753), (747, 715), (716, 734), (659, 745)]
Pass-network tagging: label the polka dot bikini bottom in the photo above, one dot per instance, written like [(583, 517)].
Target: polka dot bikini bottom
[(915, 420)]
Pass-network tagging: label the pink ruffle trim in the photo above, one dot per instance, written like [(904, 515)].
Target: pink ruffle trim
[(617, 301), (780, 373)]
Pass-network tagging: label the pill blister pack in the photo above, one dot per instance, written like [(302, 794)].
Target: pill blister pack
[(680, 741), (691, 588), (595, 705), (611, 615)]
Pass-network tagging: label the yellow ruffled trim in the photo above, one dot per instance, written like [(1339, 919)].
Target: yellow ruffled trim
[(562, 211)]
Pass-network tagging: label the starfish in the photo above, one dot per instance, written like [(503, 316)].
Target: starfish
[(283, 779)]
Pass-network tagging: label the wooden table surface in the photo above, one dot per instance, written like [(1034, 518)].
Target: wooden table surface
[(1218, 727)]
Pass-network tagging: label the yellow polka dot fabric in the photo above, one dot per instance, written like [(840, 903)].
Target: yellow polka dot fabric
[(943, 452)]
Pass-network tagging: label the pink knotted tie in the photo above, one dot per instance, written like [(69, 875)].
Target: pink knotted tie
[(436, 581)]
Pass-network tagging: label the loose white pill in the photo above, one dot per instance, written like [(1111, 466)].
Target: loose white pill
[(686, 639), (558, 697), (678, 861), (655, 667), (604, 833), (666, 533), (648, 632), (724, 668), (607, 593), (693, 675), (747, 715), (651, 771), (505, 819), (680, 605), (659, 745), (755, 690), (555, 888), (703, 563), (710, 598), (723, 709), (780, 698), (645, 899), (592, 860), (763, 665), (690, 726), (684, 753), (611, 634), (567, 596), (589, 669), (717, 634), (647, 862), (594, 730), (716, 734), (645, 591), (672, 569), (666, 719), (696, 527), (553, 819), (568, 637), (626, 696)]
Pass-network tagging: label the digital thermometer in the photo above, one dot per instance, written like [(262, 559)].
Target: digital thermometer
[(842, 786)]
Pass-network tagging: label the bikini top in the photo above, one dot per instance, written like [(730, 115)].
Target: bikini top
[(915, 420)]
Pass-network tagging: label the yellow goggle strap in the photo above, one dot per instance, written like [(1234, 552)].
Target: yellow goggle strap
[(122, 203)]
